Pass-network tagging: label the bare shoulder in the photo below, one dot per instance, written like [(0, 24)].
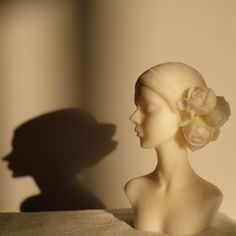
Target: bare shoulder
[(134, 187), (216, 193), (213, 193)]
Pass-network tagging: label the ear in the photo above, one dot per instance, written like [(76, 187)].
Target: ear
[(179, 117), (179, 138)]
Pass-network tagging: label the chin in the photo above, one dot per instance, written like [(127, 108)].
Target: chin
[(18, 174), (144, 144)]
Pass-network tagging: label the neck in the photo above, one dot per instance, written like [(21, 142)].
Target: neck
[(52, 184), (173, 168)]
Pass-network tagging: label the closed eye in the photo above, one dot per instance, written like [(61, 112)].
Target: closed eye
[(148, 108)]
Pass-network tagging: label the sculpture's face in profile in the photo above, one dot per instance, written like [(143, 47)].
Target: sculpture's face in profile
[(155, 122)]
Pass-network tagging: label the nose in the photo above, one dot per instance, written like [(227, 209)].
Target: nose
[(134, 117), (7, 157)]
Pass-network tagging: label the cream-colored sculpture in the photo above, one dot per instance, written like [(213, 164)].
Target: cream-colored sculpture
[(175, 111)]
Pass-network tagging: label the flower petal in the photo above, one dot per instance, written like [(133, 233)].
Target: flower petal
[(211, 100), (202, 101), (215, 134), (197, 133), (181, 104), (223, 106), (216, 118)]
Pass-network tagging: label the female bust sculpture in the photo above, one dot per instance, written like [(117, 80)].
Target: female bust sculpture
[(175, 111)]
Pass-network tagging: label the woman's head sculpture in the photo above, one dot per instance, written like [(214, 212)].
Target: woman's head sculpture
[(172, 98)]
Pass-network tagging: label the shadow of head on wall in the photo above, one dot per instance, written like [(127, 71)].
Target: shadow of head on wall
[(53, 148)]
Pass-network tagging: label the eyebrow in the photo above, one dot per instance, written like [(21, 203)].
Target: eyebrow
[(144, 101)]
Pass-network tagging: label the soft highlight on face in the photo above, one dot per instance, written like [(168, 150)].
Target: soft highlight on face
[(154, 121)]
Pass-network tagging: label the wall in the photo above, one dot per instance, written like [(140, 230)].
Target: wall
[(39, 74)]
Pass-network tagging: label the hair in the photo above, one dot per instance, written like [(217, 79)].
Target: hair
[(170, 81)]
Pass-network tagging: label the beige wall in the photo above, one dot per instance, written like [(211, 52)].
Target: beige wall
[(123, 38)]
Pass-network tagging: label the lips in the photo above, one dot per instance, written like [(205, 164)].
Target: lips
[(139, 132), (10, 165)]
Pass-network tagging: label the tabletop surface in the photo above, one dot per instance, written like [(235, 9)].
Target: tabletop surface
[(91, 223)]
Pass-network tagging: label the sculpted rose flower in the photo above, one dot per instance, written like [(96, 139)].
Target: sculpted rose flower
[(201, 100), (223, 106), (216, 118), (202, 114), (198, 134), (221, 113)]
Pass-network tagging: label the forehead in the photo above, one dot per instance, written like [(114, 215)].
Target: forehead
[(148, 96)]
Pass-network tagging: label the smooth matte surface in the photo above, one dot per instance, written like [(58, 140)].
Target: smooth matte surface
[(90, 222)]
